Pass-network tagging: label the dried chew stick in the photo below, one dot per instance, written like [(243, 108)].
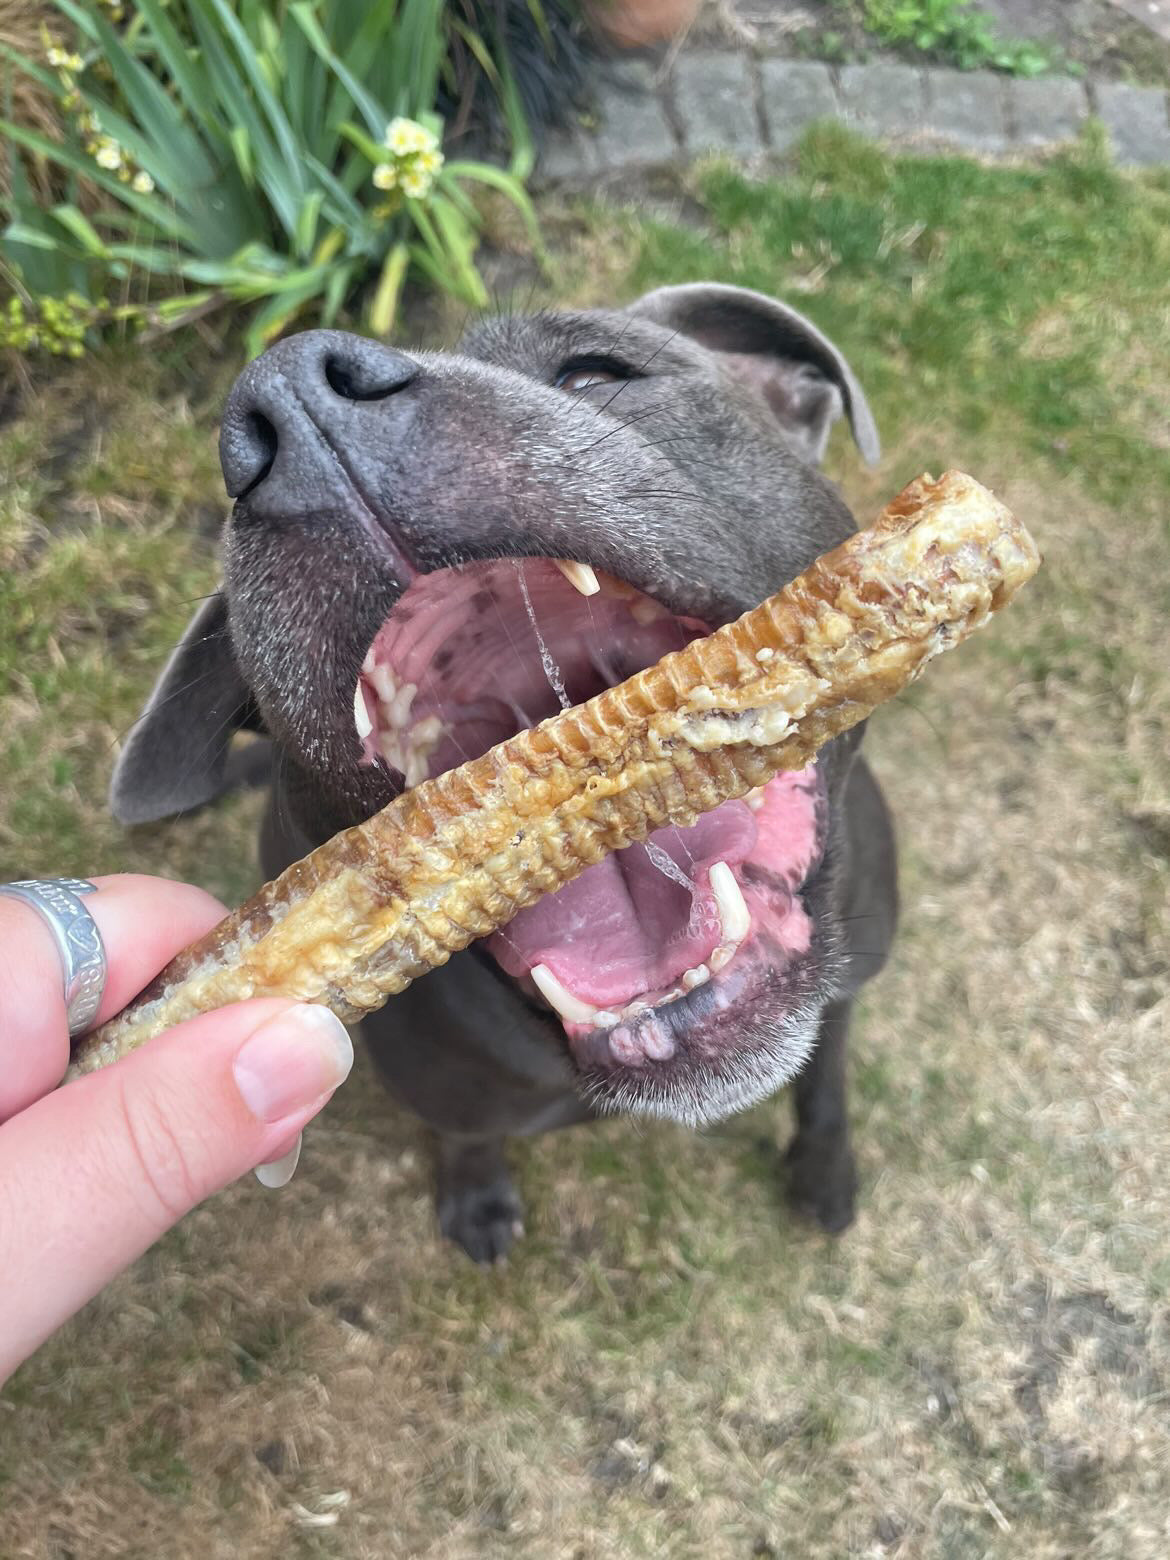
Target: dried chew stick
[(456, 857)]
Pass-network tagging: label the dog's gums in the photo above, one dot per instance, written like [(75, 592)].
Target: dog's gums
[(642, 895)]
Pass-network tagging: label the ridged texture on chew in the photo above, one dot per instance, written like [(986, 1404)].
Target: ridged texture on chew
[(456, 857)]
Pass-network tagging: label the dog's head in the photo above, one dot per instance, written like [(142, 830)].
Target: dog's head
[(430, 552)]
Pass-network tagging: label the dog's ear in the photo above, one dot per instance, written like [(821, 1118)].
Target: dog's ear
[(781, 355), (175, 755)]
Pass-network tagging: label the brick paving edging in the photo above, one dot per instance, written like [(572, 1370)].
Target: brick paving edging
[(722, 100)]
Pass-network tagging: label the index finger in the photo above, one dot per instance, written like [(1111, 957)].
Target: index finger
[(143, 922)]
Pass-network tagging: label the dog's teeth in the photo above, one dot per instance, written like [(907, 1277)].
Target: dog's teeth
[(427, 731), (566, 1004), (400, 705), (361, 716), (646, 611), (391, 745), (417, 769), (383, 680), (604, 1018), (579, 575), (369, 663), (765, 653), (733, 911), (696, 977), (722, 955), (755, 799)]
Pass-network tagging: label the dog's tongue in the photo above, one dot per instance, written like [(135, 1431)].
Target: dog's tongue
[(638, 919)]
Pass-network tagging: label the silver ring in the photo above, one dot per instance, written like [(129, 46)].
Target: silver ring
[(83, 956)]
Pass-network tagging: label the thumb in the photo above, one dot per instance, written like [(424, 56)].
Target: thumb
[(92, 1175)]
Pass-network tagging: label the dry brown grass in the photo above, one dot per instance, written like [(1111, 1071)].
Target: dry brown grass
[(671, 1365), (21, 24)]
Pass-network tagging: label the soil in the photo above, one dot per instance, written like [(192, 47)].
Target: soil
[(1093, 36)]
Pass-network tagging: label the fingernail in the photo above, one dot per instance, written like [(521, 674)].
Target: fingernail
[(279, 1172), (291, 1061)]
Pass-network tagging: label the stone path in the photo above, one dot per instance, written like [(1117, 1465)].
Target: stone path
[(731, 101), (1155, 14)]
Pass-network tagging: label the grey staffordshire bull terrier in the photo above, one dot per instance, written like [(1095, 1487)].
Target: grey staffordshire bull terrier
[(392, 604)]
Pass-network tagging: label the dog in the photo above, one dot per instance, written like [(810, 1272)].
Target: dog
[(429, 551)]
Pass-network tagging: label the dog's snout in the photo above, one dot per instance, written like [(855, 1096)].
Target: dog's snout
[(291, 401)]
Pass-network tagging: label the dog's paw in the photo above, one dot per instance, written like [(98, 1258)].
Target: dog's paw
[(822, 1182), (485, 1220)]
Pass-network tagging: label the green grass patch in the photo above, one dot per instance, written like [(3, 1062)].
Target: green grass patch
[(1001, 301), (154, 1459)]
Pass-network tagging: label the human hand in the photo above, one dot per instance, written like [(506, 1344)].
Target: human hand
[(94, 1173)]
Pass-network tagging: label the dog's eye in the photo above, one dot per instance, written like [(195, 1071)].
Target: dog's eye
[(584, 373)]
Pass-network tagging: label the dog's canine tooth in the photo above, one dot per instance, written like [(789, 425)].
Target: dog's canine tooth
[(361, 716), (579, 575), (733, 910), (561, 998), (457, 857)]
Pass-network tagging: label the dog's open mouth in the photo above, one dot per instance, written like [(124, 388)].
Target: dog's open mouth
[(654, 958)]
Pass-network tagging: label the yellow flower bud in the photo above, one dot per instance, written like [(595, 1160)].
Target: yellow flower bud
[(406, 136), (416, 184)]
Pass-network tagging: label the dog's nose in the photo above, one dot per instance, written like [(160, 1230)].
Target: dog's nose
[(295, 398)]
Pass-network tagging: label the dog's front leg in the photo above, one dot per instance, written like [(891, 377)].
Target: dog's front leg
[(478, 1206), (822, 1180)]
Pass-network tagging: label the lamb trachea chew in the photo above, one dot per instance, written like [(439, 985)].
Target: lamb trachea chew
[(458, 856)]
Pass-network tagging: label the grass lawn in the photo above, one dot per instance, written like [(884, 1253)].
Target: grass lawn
[(670, 1365)]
